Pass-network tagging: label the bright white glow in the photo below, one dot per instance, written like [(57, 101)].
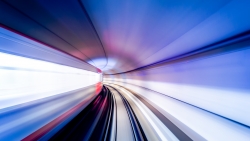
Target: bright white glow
[(103, 64), (111, 64), (99, 62), (23, 79)]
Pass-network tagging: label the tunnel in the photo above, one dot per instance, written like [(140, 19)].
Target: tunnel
[(125, 70)]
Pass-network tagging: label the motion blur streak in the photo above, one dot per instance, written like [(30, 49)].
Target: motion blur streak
[(206, 92), (125, 70), (35, 92)]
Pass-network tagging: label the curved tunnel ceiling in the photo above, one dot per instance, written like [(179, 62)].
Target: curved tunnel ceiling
[(64, 26), (119, 36)]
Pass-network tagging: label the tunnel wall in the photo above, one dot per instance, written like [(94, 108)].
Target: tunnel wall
[(207, 92)]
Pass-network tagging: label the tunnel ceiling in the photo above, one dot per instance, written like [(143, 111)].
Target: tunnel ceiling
[(122, 35)]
